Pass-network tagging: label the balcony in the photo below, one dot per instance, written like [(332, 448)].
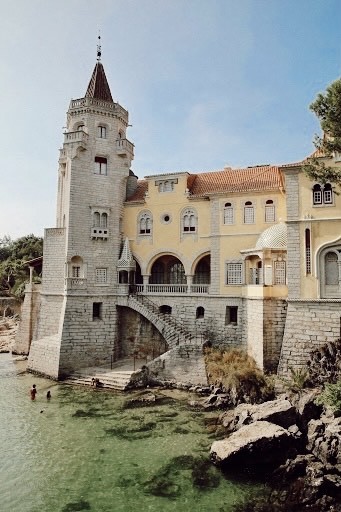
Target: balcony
[(75, 283), (124, 148), (79, 137), (172, 289)]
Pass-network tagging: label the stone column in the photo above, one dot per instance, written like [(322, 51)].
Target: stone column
[(189, 283)]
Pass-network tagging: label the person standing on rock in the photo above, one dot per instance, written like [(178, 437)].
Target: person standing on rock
[(33, 392)]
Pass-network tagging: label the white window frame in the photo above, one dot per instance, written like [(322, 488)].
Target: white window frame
[(234, 273), (280, 270), (101, 275), (249, 213), (228, 214), (269, 211)]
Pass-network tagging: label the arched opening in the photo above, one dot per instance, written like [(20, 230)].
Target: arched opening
[(202, 273), (76, 267), (200, 313), (167, 270), (165, 309)]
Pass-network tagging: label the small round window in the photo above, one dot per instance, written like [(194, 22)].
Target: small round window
[(166, 218)]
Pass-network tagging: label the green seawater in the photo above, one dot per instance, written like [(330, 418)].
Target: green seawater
[(86, 450)]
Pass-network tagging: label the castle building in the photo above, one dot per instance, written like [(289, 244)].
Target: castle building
[(247, 258)]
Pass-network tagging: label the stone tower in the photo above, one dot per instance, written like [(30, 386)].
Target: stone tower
[(77, 318)]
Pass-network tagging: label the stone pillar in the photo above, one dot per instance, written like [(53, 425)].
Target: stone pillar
[(189, 283), (145, 282)]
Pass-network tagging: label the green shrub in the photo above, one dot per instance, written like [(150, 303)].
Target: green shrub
[(298, 380), (331, 395)]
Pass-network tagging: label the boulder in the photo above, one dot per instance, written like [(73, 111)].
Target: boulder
[(324, 439), (260, 445), (280, 412)]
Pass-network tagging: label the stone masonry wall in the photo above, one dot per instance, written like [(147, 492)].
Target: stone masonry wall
[(254, 329), (86, 341), (275, 312), (309, 325), (181, 364), (29, 318)]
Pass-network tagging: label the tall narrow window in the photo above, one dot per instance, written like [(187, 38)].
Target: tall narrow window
[(100, 165), (96, 220), (317, 194), (331, 269), (234, 273), (228, 214), (269, 211), (200, 313), (104, 220), (97, 310), (249, 213), (102, 132), (307, 252), (280, 272), (328, 194)]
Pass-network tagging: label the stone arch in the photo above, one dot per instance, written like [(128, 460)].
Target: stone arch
[(167, 269), (146, 269), (328, 269)]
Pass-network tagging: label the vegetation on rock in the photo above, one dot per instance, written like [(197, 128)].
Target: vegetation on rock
[(331, 395), (237, 373)]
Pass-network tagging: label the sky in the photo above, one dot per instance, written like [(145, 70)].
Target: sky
[(207, 83)]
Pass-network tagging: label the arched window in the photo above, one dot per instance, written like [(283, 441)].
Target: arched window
[(327, 194), (317, 194), (158, 273), (200, 313), (331, 269), (249, 213), (228, 214), (202, 271), (76, 268), (96, 220), (104, 220), (145, 223), (189, 221), (269, 211)]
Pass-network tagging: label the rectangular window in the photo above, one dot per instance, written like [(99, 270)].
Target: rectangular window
[(280, 272), (249, 215), (101, 275), (234, 273), (97, 310), (327, 196), (102, 132), (76, 271), (270, 213), (100, 165), (317, 197), (228, 215), (231, 315)]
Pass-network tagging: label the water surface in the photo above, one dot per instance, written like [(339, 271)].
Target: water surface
[(86, 450)]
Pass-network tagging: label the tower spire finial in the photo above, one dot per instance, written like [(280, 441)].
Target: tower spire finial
[(99, 52)]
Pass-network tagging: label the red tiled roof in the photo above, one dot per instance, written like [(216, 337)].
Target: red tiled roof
[(98, 87), (236, 180), (142, 187)]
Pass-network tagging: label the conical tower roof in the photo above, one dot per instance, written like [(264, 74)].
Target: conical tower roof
[(98, 87), (126, 260)]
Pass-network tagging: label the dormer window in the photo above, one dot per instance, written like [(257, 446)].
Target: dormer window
[(102, 132), (100, 165), (166, 185)]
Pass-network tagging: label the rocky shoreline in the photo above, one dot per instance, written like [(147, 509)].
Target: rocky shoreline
[(8, 331)]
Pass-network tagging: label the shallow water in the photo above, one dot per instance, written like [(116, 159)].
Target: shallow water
[(85, 450)]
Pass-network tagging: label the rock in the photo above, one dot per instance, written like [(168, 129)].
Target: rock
[(261, 445), (280, 412), (306, 407), (324, 439)]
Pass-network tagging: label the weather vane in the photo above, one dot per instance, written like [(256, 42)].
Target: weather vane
[(99, 53)]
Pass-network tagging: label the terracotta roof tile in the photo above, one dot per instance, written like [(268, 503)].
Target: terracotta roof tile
[(236, 180), (142, 188)]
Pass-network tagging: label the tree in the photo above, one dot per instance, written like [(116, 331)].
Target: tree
[(327, 108), (13, 255)]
